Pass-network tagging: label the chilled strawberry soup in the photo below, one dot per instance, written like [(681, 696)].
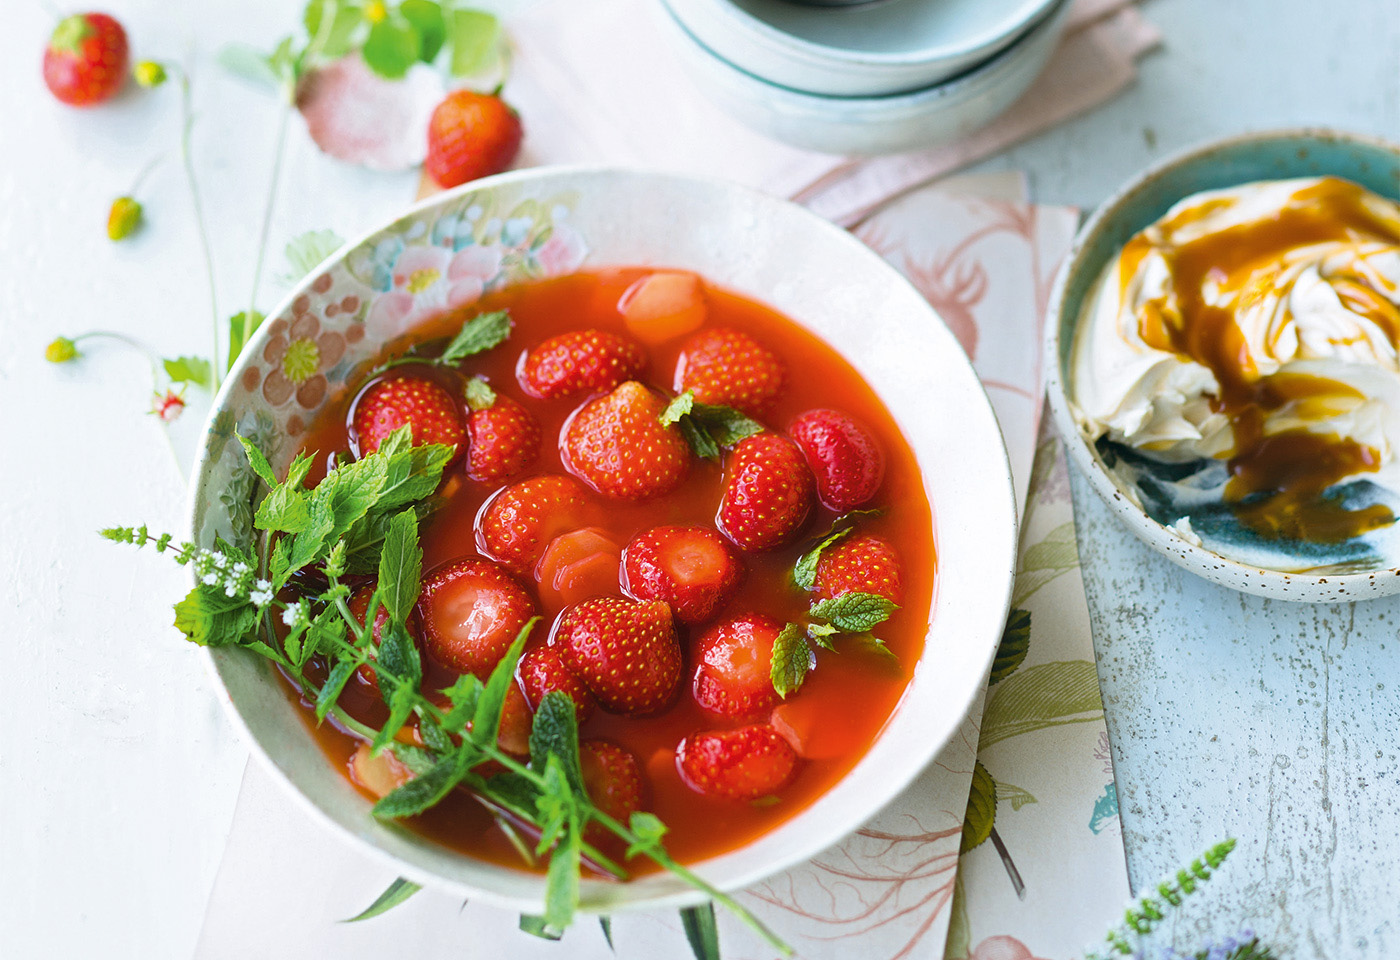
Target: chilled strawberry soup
[(667, 583)]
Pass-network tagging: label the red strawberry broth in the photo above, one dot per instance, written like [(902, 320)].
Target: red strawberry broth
[(851, 693)]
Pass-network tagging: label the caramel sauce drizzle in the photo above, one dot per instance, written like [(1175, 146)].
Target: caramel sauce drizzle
[(1277, 481)]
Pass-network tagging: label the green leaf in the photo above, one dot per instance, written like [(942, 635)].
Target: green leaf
[(805, 570), (606, 924), (307, 251), (701, 931), (393, 895), (464, 694), (486, 720), (401, 703), (339, 36), (209, 618), (648, 829), (401, 566), (479, 394), (554, 733), (791, 660), (422, 792), (330, 690), (478, 335), (699, 441), (537, 927), (252, 65), (1015, 644), (821, 634), (241, 327), (258, 461), (399, 656), (561, 882), (475, 38), (981, 809), (391, 48), (677, 408), (278, 564), (426, 17), (855, 612), (725, 425), (1040, 697), (435, 737), (194, 370)]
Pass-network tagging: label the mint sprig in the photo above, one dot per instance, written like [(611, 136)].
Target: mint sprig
[(708, 428), (480, 333)]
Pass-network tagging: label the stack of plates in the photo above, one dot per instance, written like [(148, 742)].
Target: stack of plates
[(876, 77)]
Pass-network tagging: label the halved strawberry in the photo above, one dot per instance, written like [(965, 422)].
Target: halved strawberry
[(691, 568), (860, 564), (663, 305), (580, 362), (542, 670), (617, 444), (516, 525), (505, 437), (734, 678), (577, 565), (470, 612), (729, 368), (612, 776), (421, 404), (768, 492), (625, 652), (844, 456), (380, 775), (741, 764)]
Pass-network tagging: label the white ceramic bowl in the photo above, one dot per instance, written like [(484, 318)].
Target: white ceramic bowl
[(559, 221), (872, 125), (1257, 156), (865, 50)]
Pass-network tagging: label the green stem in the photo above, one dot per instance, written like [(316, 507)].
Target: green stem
[(186, 128), (278, 151)]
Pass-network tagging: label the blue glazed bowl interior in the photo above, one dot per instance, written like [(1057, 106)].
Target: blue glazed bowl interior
[(1166, 493)]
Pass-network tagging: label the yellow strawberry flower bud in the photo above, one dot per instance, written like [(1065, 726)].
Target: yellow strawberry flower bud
[(376, 11), (124, 218), (61, 350), (148, 73)]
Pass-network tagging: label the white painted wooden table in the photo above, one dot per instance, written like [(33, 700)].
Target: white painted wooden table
[(1230, 715)]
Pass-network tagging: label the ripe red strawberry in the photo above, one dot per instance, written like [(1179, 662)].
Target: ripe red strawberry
[(734, 678), (470, 612), (625, 652), (517, 719), (542, 670), (729, 368), (428, 409), (741, 764), (863, 564), (691, 568), (505, 437), (768, 492), (517, 524), (612, 776), (86, 59), (580, 362), (471, 135), (617, 444), (359, 606), (844, 457)]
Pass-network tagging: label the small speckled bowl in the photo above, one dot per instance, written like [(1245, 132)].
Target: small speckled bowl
[(1276, 155)]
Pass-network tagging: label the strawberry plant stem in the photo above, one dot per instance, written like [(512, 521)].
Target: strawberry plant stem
[(278, 150), (186, 128)]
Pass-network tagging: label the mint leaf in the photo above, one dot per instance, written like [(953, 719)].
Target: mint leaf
[(648, 829), (435, 737), (422, 792), (330, 690), (475, 37), (555, 734), (479, 394), (821, 634), (855, 612), (478, 335), (677, 408), (401, 703), (307, 251), (278, 564), (426, 17), (701, 931), (708, 428), (393, 895), (561, 883), (400, 566), (399, 656), (211, 619), (804, 572), (195, 370), (463, 695), (699, 441), (258, 461), (537, 927), (413, 474), (391, 48), (486, 720), (791, 660), (241, 327)]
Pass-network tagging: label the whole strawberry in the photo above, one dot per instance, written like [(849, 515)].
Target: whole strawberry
[(542, 670), (471, 135), (625, 652), (424, 406), (505, 437), (742, 764), (86, 59), (612, 776), (734, 678), (617, 444), (844, 457), (864, 564), (519, 522), (471, 611), (768, 492), (580, 362), (691, 568), (728, 368)]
